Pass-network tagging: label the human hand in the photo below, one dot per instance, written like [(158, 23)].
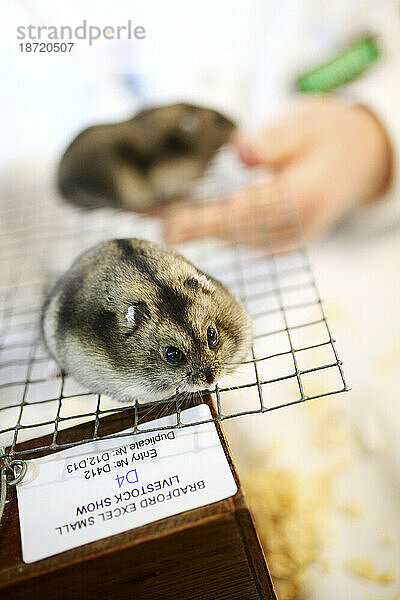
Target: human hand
[(326, 158)]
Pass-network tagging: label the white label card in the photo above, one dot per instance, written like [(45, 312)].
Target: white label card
[(106, 487)]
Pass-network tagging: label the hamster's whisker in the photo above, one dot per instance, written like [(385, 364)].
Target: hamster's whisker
[(240, 362), (146, 412), (159, 406), (198, 395), (165, 408), (235, 373)]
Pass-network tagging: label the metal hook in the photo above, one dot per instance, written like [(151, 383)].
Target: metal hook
[(10, 465)]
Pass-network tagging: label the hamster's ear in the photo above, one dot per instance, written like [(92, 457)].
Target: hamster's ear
[(199, 282), (189, 123), (136, 314)]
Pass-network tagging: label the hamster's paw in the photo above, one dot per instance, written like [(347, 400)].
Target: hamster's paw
[(54, 371)]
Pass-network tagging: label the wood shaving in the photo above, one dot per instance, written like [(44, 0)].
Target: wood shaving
[(395, 597), (352, 510), (364, 569), (388, 541), (389, 361), (287, 510)]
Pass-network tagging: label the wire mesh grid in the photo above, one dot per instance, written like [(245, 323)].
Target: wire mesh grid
[(259, 254)]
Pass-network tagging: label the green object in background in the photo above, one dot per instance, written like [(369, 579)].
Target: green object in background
[(346, 66)]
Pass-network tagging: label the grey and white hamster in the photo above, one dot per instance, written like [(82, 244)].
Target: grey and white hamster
[(138, 163), (137, 321)]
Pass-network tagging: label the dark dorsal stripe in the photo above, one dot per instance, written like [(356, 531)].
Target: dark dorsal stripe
[(131, 156), (169, 302)]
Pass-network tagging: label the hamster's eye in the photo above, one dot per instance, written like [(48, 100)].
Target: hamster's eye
[(174, 356), (212, 337)]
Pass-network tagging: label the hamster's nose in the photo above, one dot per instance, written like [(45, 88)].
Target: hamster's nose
[(209, 375)]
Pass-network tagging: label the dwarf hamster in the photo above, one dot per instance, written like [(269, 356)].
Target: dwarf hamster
[(137, 321), (148, 159)]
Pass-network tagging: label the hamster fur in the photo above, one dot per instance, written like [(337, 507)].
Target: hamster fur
[(137, 163), (137, 321)]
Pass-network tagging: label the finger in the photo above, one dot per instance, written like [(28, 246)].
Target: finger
[(305, 185), (277, 145), (315, 223), (186, 221), (221, 218), (247, 216)]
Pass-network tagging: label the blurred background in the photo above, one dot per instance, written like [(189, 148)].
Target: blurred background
[(323, 478)]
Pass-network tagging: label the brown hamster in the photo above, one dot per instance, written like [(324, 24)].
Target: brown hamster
[(138, 163), (137, 321)]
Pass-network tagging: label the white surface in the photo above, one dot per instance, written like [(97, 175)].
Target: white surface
[(356, 436), (73, 497)]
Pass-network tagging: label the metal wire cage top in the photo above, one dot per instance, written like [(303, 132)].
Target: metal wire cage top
[(257, 252)]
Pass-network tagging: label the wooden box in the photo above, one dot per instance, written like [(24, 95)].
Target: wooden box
[(210, 553)]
